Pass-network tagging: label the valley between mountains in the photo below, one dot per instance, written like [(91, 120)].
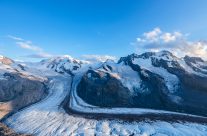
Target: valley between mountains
[(154, 93)]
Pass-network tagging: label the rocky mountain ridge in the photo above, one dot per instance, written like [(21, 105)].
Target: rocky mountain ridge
[(150, 80), (18, 88)]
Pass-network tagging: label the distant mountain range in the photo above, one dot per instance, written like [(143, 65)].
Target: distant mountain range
[(157, 80)]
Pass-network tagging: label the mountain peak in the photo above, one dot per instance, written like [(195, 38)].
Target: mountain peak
[(166, 55), (66, 57), (164, 52), (5, 60), (1, 57)]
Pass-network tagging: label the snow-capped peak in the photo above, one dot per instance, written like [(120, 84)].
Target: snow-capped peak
[(1, 57), (5, 60), (64, 57), (165, 55), (63, 64)]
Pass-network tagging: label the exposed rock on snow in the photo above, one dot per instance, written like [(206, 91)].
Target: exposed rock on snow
[(5, 60), (5, 131), (63, 65), (100, 93)]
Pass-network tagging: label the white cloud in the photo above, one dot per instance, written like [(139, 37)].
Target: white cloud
[(15, 38), (169, 37), (198, 48), (153, 35), (25, 44), (101, 58), (39, 56), (175, 42), (28, 45), (156, 36)]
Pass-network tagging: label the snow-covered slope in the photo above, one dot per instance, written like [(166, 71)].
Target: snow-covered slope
[(63, 64), (128, 77)]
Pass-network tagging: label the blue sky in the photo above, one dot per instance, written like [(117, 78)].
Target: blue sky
[(103, 27)]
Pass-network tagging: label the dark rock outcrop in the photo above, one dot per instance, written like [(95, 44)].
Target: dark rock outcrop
[(18, 91), (103, 90), (5, 131)]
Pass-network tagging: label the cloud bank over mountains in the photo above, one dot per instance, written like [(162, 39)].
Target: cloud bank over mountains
[(176, 42), (39, 53), (101, 58), (28, 45), (154, 40)]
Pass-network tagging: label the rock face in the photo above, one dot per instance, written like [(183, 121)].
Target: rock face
[(17, 91), (5, 60), (99, 90), (150, 80), (18, 88), (16, 85), (5, 131)]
